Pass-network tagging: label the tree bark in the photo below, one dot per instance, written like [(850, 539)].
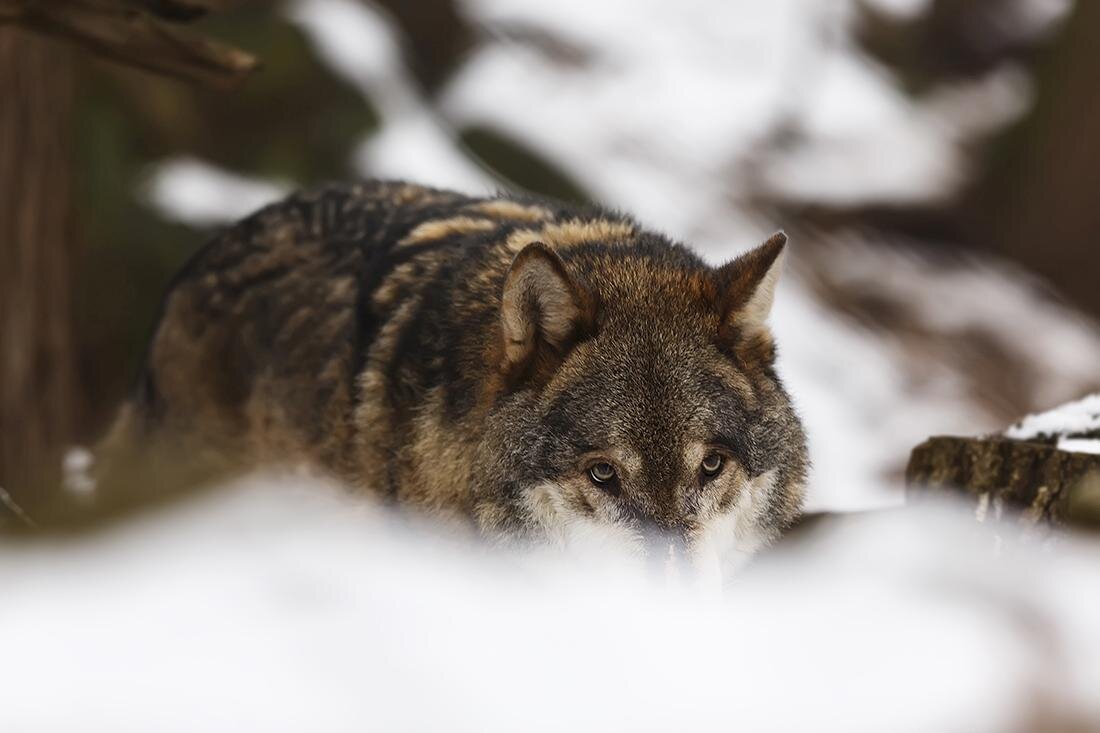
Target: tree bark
[(37, 382)]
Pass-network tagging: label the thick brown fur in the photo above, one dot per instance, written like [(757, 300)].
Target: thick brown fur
[(473, 357)]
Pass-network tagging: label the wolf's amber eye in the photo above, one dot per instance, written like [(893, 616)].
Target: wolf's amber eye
[(712, 464), (601, 473)]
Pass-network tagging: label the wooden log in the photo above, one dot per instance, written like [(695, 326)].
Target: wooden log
[(1046, 485)]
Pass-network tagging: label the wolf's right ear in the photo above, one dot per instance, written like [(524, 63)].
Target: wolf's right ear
[(747, 286), (543, 311)]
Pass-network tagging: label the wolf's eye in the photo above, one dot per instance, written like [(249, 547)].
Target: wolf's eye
[(601, 473), (712, 464)]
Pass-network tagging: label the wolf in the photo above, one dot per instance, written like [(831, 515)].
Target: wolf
[(534, 369)]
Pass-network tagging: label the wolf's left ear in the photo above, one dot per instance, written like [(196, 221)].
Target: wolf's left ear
[(747, 285), (543, 311)]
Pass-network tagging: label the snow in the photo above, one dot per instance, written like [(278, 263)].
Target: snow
[(359, 43), (849, 395), (279, 604), (1075, 418), (191, 190), (1054, 348), (653, 114), (76, 472), (1079, 445), (894, 149)]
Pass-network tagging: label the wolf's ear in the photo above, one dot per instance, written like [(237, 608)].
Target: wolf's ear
[(543, 311), (747, 286)]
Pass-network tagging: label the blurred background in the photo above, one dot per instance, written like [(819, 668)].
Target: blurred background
[(935, 163)]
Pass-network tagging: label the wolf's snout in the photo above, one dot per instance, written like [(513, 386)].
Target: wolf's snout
[(667, 553)]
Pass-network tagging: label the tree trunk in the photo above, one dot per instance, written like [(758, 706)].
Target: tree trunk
[(1037, 202), (37, 383)]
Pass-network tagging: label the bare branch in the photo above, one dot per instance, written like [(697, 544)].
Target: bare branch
[(124, 31), (7, 501)]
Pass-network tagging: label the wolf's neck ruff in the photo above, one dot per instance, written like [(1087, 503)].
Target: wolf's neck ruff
[(539, 369)]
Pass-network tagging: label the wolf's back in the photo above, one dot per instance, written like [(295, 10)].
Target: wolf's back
[(269, 335)]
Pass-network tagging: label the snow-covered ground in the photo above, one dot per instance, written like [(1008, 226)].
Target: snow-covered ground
[(283, 605)]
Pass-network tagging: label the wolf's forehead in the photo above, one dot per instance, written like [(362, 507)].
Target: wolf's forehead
[(657, 314), (645, 396)]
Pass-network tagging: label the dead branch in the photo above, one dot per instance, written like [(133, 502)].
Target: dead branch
[(143, 34)]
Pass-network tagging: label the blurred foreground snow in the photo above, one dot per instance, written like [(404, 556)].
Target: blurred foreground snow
[(282, 605)]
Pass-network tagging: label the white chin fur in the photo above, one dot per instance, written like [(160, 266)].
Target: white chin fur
[(580, 534), (723, 546), (729, 541)]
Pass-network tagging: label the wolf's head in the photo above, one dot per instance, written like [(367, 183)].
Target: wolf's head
[(640, 400)]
